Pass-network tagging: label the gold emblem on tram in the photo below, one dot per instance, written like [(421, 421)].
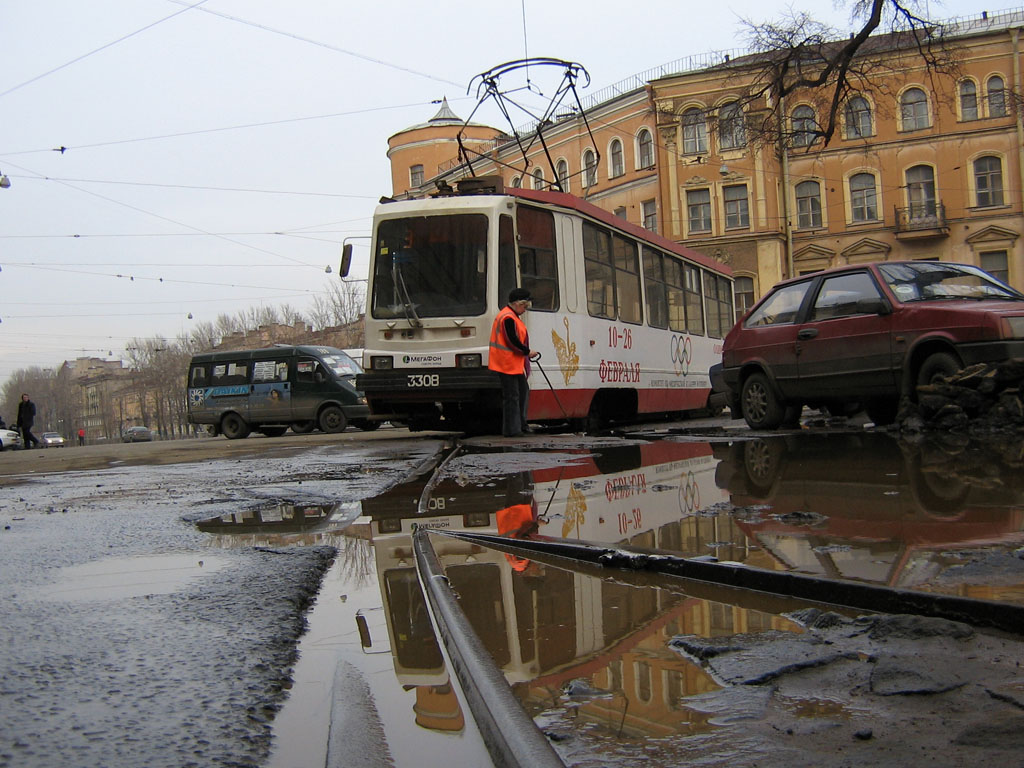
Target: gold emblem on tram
[(575, 512), (568, 360)]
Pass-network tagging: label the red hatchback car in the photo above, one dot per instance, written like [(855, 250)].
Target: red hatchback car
[(865, 335)]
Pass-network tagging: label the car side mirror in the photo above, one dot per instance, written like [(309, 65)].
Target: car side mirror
[(873, 306)]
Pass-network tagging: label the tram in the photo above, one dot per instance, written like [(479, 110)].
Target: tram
[(627, 323)]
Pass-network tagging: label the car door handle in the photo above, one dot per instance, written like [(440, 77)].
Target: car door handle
[(807, 333)]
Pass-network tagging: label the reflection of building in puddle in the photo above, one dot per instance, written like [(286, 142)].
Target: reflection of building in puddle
[(283, 524), (867, 508)]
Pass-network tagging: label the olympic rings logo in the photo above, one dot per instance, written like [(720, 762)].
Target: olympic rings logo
[(689, 494), (681, 349)]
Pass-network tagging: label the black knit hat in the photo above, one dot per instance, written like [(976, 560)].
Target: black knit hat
[(518, 294)]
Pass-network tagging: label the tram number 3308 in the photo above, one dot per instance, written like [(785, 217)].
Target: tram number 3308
[(423, 380)]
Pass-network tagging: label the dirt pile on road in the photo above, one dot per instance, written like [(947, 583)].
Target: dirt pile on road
[(984, 399)]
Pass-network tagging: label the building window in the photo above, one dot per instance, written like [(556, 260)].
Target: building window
[(695, 132), (538, 179), (914, 110), (988, 181), (731, 133), (621, 212), (645, 149), (996, 97), (650, 215), (858, 118), (921, 192), (416, 176), (995, 263), (863, 198), (698, 207), (562, 169), (736, 212), (743, 290), (968, 100), (589, 168), (615, 165), (517, 182), (804, 126), (808, 204)]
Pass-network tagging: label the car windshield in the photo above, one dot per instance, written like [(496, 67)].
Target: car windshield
[(341, 364), (932, 280)]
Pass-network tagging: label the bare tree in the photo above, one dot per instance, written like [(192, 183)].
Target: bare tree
[(799, 56), (343, 303)]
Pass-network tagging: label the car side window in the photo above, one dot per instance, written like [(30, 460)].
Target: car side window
[(780, 308), (840, 296)]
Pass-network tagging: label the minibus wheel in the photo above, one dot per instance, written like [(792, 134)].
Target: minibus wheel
[(234, 427), (332, 419)]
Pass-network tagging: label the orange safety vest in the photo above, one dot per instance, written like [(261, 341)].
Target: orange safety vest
[(502, 357), (511, 521)]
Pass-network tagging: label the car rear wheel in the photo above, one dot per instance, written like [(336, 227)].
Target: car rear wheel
[(882, 412), (761, 407), (303, 427), (274, 431), (332, 419), (939, 365), (366, 425), (234, 427)]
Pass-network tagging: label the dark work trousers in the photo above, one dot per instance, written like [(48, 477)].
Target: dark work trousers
[(515, 395)]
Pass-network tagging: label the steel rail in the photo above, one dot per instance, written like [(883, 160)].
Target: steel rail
[(511, 737), (850, 594)]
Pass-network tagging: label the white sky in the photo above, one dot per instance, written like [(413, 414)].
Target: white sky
[(222, 161)]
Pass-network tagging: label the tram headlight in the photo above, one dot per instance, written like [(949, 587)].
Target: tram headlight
[(382, 362), (468, 361), (390, 525), (476, 520)]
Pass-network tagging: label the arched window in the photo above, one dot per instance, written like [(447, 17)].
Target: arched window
[(416, 176), (695, 132), (858, 118), (863, 197), (996, 97), (517, 182), (731, 133), (968, 100), (589, 168), (562, 169), (808, 204), (538, 179), (921, 192), (644, 149), (988, 181), (616, 166), (804, 126), (914, 110)]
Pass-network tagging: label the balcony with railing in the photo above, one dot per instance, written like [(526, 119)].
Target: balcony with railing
[(921, 220)]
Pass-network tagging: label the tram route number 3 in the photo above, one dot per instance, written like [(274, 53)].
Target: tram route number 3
[(422, 380), (620, 337)]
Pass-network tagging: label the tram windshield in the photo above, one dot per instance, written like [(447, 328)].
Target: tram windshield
[(430, 266)]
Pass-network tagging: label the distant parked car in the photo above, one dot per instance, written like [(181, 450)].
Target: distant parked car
[(9, 438), (864, 336), (51, 440), (137, 435)]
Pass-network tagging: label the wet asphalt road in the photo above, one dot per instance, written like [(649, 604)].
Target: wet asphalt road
[(127, 638)]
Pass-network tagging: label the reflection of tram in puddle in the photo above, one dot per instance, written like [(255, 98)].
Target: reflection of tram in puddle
[(545, 626), (280, 524), (863, 507)]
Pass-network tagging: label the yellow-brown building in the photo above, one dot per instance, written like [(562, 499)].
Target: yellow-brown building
[(922, 166)]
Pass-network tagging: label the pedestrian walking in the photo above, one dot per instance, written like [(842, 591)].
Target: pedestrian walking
[(509, 356), (26, 418), (81, 436)]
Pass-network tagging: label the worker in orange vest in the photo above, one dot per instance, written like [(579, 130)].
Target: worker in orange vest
[(508, 356)]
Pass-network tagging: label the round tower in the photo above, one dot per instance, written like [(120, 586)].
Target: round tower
[(419, 153)]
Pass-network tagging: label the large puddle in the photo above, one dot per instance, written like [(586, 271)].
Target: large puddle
[(616, 668)]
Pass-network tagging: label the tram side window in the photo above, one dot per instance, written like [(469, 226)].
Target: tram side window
[(537, 262), (718, 303), (627, 280), (694, 308), (674, 281), (506, 259), (597, 257), (655, 288), (230, 373)]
